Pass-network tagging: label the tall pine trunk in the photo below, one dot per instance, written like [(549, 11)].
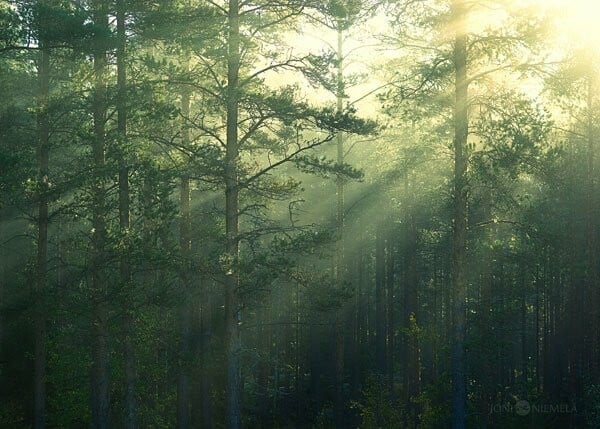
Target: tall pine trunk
[(390, 311), (380, 307), (43, 130), (183, 391), (100, 354), (340, 268), (412, 317), (124, 221), (232, 304), (593, 274), (205, 386), (459, 245)]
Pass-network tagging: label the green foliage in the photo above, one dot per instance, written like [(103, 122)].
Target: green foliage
[(319, 165), (12, 30), (56, 25), (514, 132), (433, 402), (377, 408)]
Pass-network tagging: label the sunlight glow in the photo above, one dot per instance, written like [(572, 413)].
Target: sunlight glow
[(576, 22)]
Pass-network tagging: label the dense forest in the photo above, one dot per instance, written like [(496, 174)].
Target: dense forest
[(299, 213)]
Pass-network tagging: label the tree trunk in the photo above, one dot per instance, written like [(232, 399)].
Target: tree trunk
[(232, 304), (100, 355), (546, 324), (411, 318), (390, 292), (522, 280), (205, 387), (183, 390), (264, 366), (537, 330), (380, 301), (297, 357), (340, 268), (124, 220), (43, 129), (459, 245), (485, 320), (316, 361), (361, 313), (593, 274)]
